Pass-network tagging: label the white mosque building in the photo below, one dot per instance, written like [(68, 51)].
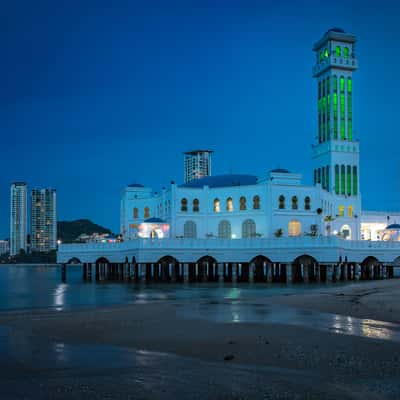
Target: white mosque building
[(276, 203), (270, 227)]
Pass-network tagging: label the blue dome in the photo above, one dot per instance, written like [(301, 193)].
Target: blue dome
[(155, 220), (222, 181), (393, 226), (280, 171), (136, 185)]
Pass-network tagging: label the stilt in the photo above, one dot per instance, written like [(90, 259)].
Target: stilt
[(63, 273)]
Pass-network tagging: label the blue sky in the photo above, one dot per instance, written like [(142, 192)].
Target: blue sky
[(96, 95)]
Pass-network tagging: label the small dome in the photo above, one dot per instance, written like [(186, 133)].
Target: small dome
[(393, 227), (135, 185), (154, 221), (337, 30), (280, 171)]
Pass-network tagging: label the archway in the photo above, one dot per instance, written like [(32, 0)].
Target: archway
[(167, 269), (305, 268), (102, 268), (261, 265), (370, 268), (207, 269), (345, 232)]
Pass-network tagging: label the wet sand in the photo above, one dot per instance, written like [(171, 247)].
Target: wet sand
[(163, 350)]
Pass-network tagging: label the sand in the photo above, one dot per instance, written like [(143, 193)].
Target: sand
[(168, 350)]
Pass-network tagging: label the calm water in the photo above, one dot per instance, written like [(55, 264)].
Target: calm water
[(27, 287)]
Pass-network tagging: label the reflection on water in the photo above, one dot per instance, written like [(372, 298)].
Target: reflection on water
[(27, 287), (239, 312)]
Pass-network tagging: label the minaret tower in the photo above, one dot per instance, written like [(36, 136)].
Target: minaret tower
[(336, 153)]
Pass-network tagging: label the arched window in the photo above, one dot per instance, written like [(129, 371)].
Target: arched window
[(243, 203), (346, 52), (355, 181), (307, 203), (294, 228), (135, 213), (248, 229), (345, 232), (256, 202), (341, 211), (217, 207), (184, 204), (224, 230), (342, 180), (229, 204), (348, 175), (350, 211), (337, 184), (196, 207), (326, 53), (281, 202), (146, 212), (294, 203), (190, 230), (338, 51)]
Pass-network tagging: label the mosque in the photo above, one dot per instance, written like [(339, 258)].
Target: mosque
[(262, 228), (276, 203)]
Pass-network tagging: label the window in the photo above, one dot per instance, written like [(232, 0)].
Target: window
[(256, 202), (190, 230), (281, 202), (224, 230), (135, 213), (337, 187), (341, 211), (355, 181), (196, 207), (328, 183), (294, 203), (326, 53), (184, 203), (146, 212), (338, 51), (248, 229), (350, 211), (307, 203), (346, 52), (243, 203), (229, 204), (349, 180), (217, 207), (294, 228), (342, 180)]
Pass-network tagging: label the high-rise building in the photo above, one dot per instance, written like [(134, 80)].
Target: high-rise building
[(18, 217), (43, 220), (4, 247), (197, 164)]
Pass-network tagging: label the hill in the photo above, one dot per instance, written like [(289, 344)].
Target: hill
[(68, 231)]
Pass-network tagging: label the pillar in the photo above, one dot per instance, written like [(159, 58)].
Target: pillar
[(84, 271), (63, 273)]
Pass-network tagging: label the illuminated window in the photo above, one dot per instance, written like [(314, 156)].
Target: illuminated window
[(184, 204), (294, 228), (294, 203), (196, 204), (229, 204), (307, 203), (326, 53), (327, 178), (217, 207), (337, 186), (342, 180), (146, 212), (342, 84), (224, 230), (256, 202), (248, 229), (338, 51), (341, 211), (135, 213), (349, 180), (190, 230), (281, 202), (243, 203), (350, 211), (346, 52), (321, 56), (355, 181)]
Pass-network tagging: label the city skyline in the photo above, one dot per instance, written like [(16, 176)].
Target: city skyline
[(121, 106)]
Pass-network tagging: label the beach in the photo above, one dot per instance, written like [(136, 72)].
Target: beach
[(336, 342)]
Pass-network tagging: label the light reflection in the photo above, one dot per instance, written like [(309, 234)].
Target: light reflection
[(59, 296)]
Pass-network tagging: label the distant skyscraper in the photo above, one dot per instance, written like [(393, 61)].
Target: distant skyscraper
[(197, 164), (4, 247), (18, 217), (43, 219)]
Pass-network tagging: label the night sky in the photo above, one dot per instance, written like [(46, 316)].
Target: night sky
[(95, 95)]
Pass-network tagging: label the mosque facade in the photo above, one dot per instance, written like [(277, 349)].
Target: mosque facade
[(277, 203)]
